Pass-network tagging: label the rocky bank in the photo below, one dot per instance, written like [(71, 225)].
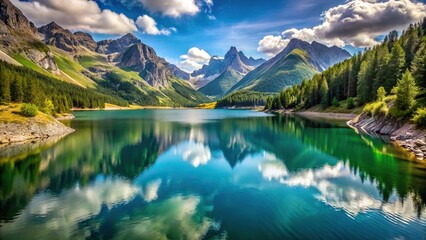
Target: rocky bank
[(404, 134), (30, 130)]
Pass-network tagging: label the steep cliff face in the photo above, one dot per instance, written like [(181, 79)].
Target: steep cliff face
[(18, 34), (64, 39), (151, 68), (59, 37), (14, 19)]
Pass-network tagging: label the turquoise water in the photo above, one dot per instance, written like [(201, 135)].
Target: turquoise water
[(211, 174)]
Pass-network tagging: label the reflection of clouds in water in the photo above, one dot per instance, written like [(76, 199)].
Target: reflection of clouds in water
[(178, 217), (340, 189), (272, 168), (150, 190), (48, 216), (196, 154)]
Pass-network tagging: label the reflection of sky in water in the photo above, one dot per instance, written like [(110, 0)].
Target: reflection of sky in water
[(177, 198)]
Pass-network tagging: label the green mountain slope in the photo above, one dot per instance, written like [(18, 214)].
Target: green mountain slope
[(222, 84), (287, 71)]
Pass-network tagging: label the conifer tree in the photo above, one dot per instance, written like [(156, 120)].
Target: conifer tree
[(406, 91)]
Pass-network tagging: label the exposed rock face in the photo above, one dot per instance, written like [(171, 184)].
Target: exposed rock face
[(117, 46), (57, 36), (151, 68), (64, 39), (86, 40), (404, 134), (13, 18), (43, 59), (19, 132), (179, 72)]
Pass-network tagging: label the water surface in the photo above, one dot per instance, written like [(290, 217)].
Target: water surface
[(211, 174)]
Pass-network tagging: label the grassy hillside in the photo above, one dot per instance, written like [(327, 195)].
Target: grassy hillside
[(130, 86), (222, 84), (290, 70)]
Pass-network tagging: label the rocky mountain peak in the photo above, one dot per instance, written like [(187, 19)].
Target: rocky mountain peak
[(14, 19), (118, 45)]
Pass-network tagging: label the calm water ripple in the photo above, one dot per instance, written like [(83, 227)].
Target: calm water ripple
[(210, 174)]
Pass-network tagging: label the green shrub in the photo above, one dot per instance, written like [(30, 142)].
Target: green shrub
[(350, 104), (380, 109), (335, 102), (419, 117), (48, 107), (368, 109), (29, 109), (376, 109)]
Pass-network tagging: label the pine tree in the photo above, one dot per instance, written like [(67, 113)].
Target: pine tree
[(406, 91), (418, 67), (5, 87), (324, 93), (395, 66), (363, 88), (16, 91)]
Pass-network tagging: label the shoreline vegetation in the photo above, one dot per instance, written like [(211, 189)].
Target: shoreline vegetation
[(17, 128)]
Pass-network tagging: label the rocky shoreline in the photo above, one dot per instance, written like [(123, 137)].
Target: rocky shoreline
[(404, 134), (30, 130)]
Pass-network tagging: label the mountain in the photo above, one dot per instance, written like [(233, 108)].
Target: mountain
[(64, 39), (11, 18), (110, 46), (124, 68), (299, 60), (231, 68), (222, 84), (18, 33), (179, 72)]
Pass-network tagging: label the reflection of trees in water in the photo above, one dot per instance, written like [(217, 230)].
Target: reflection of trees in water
[(125, 148), (370, 162)]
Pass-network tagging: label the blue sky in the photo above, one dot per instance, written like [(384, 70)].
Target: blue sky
[(189, 32), (239, 23)]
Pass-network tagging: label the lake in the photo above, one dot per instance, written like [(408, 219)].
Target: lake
[(211, 174)]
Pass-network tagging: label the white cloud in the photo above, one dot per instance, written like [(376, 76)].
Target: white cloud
[(84, 15), (172, 8), (58, 215), (357, 23), (194, 59), (272, 45), (148, 25)]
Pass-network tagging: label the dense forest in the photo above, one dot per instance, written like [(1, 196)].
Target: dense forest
[(23, 85), (395, 67), (244, 99)]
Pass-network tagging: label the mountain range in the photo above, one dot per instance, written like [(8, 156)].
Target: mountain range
[(220, 74), (297, 61), (131, 70), (77, 58)]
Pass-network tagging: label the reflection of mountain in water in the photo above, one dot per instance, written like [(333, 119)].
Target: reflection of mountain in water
[(126, 148)]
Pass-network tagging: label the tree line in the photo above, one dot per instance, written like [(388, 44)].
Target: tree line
[(396, 66), (244, 98), (23, 85)]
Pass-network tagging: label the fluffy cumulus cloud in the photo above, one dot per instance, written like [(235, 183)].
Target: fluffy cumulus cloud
[(149, 26), (271, 45), (356, 23), (194, 59), (172, 8), (85, 15)]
